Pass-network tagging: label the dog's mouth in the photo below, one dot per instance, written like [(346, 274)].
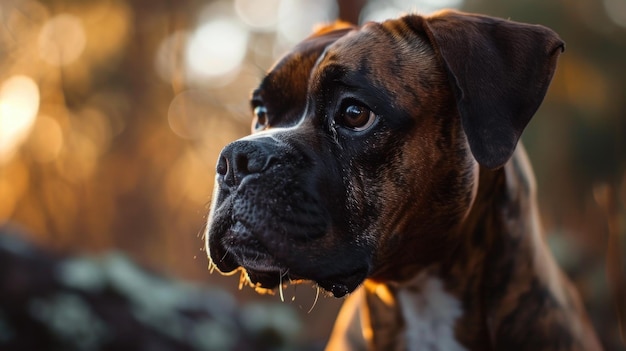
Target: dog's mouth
[(239, 247), (338, 286)]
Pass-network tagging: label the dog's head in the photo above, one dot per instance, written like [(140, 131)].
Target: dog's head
[(366, 144)]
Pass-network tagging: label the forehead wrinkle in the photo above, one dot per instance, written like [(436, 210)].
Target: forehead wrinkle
[(340, 57), (404, 55)]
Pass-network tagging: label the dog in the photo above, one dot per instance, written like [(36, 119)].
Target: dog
[(385, 165)]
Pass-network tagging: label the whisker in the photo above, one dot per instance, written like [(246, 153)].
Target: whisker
[(224, 257), (212, 267), (280, 288), (317, 295), (242, 279)]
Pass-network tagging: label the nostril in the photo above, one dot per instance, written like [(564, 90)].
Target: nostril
[(222, 166), (242, 165)]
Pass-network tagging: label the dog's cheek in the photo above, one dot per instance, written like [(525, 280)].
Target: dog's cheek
[(423, 188)]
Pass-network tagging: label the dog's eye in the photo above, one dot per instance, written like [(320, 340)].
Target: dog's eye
[(260, 118), (356, 117)]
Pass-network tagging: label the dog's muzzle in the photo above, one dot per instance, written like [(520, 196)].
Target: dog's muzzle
[(270, 216)]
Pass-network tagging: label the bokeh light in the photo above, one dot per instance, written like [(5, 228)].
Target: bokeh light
[(216, 48), (19, 103), (168, 61), (296, 18), (188, 113), (616, 10), (62, 40), (258, 15), (382, 10), (106, 25)]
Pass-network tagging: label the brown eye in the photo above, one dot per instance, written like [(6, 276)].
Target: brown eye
[(260, 118), (356, 117)]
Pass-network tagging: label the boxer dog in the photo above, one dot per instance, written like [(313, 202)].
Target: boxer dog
[(385, 164)]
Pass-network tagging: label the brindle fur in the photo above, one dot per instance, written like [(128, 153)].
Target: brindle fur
[(436, 188)]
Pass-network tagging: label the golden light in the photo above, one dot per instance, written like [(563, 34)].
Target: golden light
[(186, 179), (46, 139), (106, 26), (187, 112), (78, 158), (168, 61), (62, 40), (19, 103), (14, 181)]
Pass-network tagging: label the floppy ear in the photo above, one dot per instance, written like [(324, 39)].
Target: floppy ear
[(499, 71)]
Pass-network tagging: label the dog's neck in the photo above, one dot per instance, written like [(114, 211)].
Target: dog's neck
[(501, 252), (501, 256)]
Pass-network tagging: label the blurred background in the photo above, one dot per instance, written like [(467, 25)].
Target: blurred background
[(113, 112)]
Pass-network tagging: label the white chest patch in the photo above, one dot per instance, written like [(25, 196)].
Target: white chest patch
[(430, 314)]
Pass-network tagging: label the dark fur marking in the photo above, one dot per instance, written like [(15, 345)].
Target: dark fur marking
[(534, 309)]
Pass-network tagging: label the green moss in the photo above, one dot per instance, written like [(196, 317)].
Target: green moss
[(213, 336), (71, 320), (272, 324), (82, 273)]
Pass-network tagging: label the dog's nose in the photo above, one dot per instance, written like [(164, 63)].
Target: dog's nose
[(243, 158)]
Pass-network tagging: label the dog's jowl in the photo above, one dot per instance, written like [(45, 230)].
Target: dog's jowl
[(385, 165)]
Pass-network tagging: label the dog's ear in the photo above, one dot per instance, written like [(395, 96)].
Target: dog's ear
[(499, 71)]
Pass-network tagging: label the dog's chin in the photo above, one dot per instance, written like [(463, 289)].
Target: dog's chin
[(239, 248), (265, 273)]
